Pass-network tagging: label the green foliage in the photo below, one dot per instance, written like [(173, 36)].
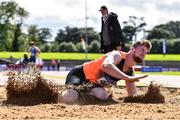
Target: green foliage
[(169, 30), (23, 43), (54, 47), (94, 47), (63, 47), (159, 33), (129, 32), (67, 47), (44, 35), (12, 38), (71, 47), (91, 34), (172, 46), (33, 34), (156, 46), (45, 48), (75, 34), (17, 34), (79, 48), (11, 20), (132, 27), (176, 47)]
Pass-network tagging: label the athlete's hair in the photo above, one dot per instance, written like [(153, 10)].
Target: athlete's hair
[(143, 42)]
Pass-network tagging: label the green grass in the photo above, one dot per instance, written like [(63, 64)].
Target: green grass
[(160, 57), (90, 56), (51, 55), (175, 73)]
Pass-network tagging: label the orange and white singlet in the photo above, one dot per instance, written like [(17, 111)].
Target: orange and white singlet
[(92, 69)]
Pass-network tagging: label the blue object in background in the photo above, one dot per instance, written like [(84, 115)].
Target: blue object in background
[(152, 69)]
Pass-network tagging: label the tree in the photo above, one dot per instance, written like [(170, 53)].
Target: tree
[(23, 42), (67, 47), (44, 35), (132, 27), (68, 35), (94, 47), (54, 47), (33, 33), (11, 16), (60, 37), (169, 30), (45, 48), (160, 33), (176, 47), (128, 33), (74, 35), (17, 33), (80, 48), (40, 36), (21, 14), (92, 35), (156, 46)]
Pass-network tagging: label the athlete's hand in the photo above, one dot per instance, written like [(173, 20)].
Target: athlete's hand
[(136, 78)]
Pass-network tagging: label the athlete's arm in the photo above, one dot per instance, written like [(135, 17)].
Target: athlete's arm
[(38, 50), (109, 67)]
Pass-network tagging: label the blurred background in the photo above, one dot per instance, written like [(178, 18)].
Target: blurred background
[(68, 32)]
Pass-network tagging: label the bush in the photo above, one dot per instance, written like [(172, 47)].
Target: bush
[(156, 46), (45, 48), (176, 47), (94, 47), (79, 48), (172, 46), (67, 47), (54, 47)]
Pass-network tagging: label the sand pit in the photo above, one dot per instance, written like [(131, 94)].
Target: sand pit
[(37, 99)]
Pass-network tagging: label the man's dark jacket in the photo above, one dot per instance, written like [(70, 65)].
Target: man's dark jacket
[(114, 30)]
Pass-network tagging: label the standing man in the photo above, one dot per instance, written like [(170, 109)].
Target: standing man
[(111, 33), (34, 51), (110, 68)]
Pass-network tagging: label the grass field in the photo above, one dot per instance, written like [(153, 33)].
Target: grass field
[(160, 57), (90, 56), (50, 55)]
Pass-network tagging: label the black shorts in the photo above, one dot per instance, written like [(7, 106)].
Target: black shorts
[(77, 77)]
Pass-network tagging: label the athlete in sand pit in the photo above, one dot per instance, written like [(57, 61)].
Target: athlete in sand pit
[(110, 68)]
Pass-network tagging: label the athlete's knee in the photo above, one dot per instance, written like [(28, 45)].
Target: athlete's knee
[(68, 96), (100, 93)]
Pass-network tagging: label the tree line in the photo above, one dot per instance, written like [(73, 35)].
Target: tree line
[(69, 39)]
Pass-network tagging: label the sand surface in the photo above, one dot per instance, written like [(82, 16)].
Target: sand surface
[(113, 109)]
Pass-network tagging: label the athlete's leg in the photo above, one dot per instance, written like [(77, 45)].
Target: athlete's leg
[(32, 59), (100, 93), (75, 76), (68, 96)]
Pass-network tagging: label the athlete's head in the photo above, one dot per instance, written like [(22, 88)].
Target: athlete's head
[(140, 49)]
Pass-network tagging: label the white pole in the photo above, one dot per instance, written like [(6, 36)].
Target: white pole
[(164, 47), (86, 38)]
